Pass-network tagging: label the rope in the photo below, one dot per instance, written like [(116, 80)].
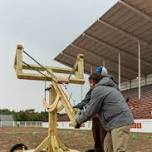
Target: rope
[(46, 75), (43, 75), (70, 94), (35, 69)]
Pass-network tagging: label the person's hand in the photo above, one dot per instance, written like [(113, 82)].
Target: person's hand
[(77, 125), (76, 109)]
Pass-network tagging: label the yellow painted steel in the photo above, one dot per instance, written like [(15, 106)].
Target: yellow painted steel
[(58, 99)]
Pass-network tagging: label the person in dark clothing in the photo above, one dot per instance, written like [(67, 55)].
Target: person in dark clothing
[(99, 134), (98, 131), (127, 100), (84, 102)]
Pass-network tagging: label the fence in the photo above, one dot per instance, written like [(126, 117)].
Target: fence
[(29, 123), (140, 125), (21, 124), (7, 123)]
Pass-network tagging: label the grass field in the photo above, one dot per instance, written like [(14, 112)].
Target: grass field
[(80, 140)]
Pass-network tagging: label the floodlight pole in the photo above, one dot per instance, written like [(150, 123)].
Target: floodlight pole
[(119, 70), (139, 70)]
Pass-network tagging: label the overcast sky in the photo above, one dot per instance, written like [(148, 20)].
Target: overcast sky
[(45, 28)]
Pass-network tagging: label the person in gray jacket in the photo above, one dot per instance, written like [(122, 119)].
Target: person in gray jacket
[(109, 105)]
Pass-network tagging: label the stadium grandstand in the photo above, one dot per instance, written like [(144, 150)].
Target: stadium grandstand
[(142, 109), (121, 41)]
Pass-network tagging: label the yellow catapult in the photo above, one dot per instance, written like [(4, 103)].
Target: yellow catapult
[(58, 99)]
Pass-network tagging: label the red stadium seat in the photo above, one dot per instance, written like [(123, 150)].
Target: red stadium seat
[(142, 109)]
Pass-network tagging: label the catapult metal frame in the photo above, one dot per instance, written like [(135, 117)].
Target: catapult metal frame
[(58, 99)]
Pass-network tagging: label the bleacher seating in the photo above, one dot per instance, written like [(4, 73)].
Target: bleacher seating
[(142, 109), (63, 117)]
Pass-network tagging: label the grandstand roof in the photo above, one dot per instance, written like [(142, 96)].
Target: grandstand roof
[(118, 30)]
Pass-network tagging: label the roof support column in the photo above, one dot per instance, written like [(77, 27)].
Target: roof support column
[(104, 63), (91, 71), (139, 70), (129, 84), (119, 70), (81, 93), (145, 79)]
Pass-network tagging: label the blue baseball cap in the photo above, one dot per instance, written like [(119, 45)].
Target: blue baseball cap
[(102, 70)]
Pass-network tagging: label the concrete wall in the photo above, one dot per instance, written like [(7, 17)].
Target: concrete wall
[(134, 83), (140, 125)]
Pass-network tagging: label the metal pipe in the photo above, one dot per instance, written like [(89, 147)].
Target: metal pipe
[(35, 70), (53, 77), (91, 70), (119, 70), (139, 70)]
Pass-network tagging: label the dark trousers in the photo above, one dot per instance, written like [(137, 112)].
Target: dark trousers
[(99, 134)]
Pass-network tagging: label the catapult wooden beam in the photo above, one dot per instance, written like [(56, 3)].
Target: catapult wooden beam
[(56, 94), (22, 68)]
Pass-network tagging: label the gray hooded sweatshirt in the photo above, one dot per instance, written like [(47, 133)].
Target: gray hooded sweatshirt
[(109, 105)]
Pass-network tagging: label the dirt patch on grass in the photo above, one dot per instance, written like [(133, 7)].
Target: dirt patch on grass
[(76, 139)]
